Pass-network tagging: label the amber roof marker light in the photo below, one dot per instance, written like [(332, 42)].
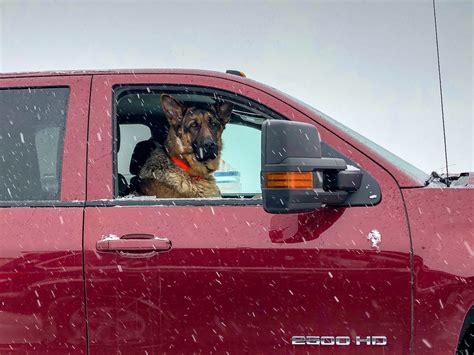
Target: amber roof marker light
[(236, 72), (288, 180)]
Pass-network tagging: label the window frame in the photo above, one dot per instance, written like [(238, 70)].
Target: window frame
[(99, 162), (242, 100), (119, 89)]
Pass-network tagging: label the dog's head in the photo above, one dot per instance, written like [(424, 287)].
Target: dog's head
[(195, 133)]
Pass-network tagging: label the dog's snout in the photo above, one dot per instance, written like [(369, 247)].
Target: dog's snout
[(205, 150), (209, 144)]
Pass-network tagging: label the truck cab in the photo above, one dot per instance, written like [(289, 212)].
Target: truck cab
[(364, 259)]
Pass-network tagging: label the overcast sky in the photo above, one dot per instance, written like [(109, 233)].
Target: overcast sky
[(368, 64)]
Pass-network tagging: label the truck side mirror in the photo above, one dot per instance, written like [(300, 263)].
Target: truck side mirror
[(294, 177)]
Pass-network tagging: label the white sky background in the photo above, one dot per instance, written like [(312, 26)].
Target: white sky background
[(368, 64)]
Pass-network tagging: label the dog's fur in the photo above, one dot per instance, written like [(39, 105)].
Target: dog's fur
[(191, 128)]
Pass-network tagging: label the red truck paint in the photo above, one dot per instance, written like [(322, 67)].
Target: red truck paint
[(236, 279), (443, 244)]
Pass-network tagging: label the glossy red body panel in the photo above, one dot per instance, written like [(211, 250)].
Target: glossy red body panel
[(239, 279), (238, 287), (41, 278), (41, 285), (442, 231)]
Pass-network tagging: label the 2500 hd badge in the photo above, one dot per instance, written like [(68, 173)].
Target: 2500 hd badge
[(342, 340)]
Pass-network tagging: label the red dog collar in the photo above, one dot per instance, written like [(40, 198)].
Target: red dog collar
[(184, 166)]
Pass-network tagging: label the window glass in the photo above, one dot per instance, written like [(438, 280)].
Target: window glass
[(47, 162), (32, 122)]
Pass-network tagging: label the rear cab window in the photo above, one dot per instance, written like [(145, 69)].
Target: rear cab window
[(32, 126)]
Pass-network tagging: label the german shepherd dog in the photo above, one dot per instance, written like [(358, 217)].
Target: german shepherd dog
[(192, 151)]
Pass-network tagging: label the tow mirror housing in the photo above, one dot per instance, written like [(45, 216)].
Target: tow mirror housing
[(294, 177)]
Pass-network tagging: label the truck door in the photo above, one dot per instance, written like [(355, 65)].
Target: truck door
[(43, 133), (225, 275)]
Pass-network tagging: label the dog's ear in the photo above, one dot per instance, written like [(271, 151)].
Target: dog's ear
[(173, 109), (224, 111)]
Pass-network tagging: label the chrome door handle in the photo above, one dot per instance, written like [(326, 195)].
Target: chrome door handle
[(133, 243)]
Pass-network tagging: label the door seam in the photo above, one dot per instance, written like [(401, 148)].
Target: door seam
[(84, 280), (412, 277)]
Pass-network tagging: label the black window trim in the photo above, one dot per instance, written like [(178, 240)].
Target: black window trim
[(163, 202), (41, 204)]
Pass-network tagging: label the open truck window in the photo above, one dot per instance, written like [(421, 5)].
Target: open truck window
[(140, 126)]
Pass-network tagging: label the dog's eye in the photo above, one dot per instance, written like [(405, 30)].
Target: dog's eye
[(214, 123), (193, 125)]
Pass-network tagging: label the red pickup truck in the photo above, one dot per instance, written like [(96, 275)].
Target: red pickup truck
[(367, 258)]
